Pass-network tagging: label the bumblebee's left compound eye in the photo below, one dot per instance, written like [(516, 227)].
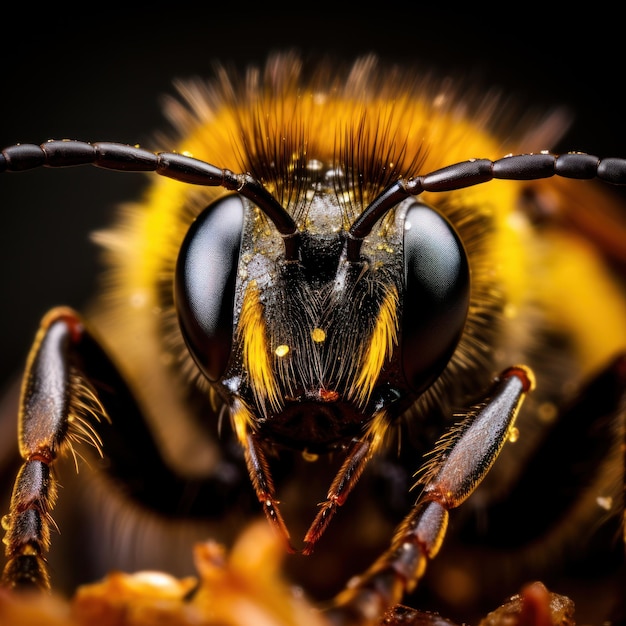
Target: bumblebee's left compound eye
[(206, 275), (436, 298)]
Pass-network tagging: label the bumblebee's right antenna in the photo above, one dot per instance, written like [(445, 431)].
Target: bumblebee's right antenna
[(476, 171)]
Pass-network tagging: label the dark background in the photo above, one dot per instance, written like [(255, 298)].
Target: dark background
[(98, 76)]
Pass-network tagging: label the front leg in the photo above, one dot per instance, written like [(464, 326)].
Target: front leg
[(51, 400), (68, 383), (462, 458)]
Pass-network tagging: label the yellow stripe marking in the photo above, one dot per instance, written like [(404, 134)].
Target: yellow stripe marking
[(384, 337), (256, 354)]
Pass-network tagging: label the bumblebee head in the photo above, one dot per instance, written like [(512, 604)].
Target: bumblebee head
[(327, 322)]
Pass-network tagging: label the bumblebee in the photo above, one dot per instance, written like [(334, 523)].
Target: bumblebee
[(380, 313)]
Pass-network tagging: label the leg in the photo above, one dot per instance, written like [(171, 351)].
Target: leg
[(69, 387), (574, 482), (45, 412), (462, 459), (572, 457)]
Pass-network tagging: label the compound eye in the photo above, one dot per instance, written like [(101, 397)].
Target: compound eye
[(436, 298), (206, 274)]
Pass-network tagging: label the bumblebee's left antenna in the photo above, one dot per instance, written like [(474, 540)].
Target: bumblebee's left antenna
[(125, 158)]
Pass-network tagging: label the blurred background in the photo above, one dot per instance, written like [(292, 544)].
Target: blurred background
[(99, 74)]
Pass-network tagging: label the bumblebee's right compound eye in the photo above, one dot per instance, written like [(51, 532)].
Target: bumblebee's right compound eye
[(436, 298), (206, 274)]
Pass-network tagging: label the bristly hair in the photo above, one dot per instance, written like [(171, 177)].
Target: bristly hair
[(369, 127), (341, 118)]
